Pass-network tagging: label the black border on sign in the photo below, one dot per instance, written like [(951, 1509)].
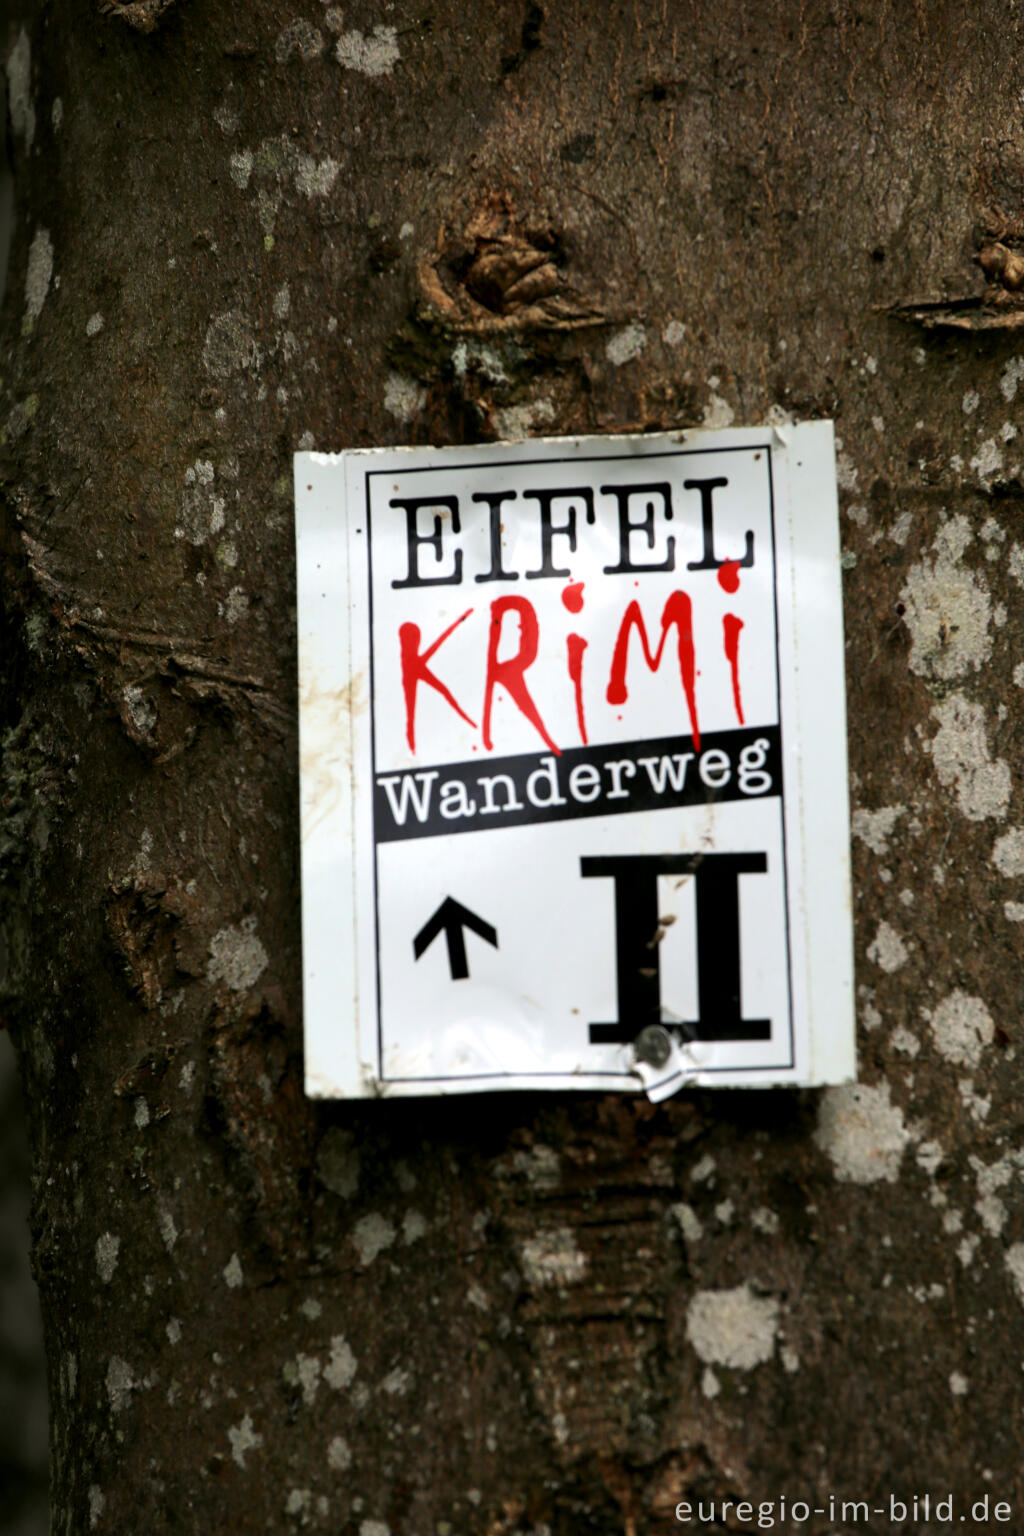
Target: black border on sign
[(498, 1078)]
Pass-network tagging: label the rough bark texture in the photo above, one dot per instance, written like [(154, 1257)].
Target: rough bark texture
[(267, 225), (23, 1416)]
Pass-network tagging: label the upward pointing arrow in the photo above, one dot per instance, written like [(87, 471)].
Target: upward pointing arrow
[(450, 919)]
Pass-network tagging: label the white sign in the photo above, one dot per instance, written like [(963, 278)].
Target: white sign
[(573, 763)]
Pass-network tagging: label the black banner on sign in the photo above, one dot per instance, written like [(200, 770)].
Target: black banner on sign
[(581, 781)]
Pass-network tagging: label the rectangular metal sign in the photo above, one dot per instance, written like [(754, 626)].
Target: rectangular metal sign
[(573, 765)]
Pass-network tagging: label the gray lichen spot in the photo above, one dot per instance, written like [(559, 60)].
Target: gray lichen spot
[(1008, 853), (19, 89), (173, 1331), (976, 1104), (300, 38), (168, 1230), (107, 1248), (270, 164), (97, 1504), (339, 1456), (141, 711), (689, 1222), (375, 54), (226, 117), (120, 1383), (862, 1133), (515, 422), (414, 1226), (900, 530), (143, 858), (484, 360), (237, 957), (902, 1040), (1011, 377), (340, 1370), (35, 633), (374, 1528), (992, 535), (240, 166), (966, 1250), (1014, 1261), (846, 470), (243, 1439), (626, 345), (988, 461), (887, 949), (876, 827), (38, 274), (236, 605), (960, 757), (478, 1298), (403, 397), (283, 302), (993, 1176), (315, 178), (371, 1235), (734, 1328), (232, 1273), (540, 1165), (962, 1027), (553, 1258), (337, 1163), (947, 609), (94, 324), (993, 1214), (719, 413), (307, 1374), (20, 418), (230, 345)]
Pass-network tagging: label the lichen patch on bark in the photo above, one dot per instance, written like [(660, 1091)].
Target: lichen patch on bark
[(862, 1132), (735, 1328)]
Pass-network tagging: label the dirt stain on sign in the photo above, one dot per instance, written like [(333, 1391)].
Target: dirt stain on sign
[(326, 750)]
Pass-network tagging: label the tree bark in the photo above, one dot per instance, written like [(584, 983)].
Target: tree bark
[(246, 229)]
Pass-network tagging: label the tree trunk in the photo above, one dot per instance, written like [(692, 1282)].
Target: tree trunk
[(23, 1415), (243, 229)]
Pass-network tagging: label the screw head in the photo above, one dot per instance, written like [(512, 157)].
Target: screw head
[(653, 1045)]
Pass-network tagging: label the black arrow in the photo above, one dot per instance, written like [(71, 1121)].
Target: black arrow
[(450, 919)]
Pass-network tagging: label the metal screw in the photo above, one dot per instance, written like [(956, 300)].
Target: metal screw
[(653, 1045)]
